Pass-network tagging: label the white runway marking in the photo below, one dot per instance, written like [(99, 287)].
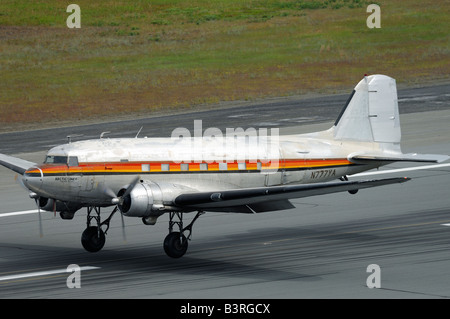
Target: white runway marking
[(43, 273), (418, 98), (25, 212), (415, 168)]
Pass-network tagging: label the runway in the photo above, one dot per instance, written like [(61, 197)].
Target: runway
[(321, 249)]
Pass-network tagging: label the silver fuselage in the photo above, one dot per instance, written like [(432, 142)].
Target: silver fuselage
[(83, 171)]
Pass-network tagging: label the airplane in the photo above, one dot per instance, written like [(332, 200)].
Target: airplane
[(148, 177)]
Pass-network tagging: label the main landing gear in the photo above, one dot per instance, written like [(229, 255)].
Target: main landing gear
[(175, 244), (93, 238)]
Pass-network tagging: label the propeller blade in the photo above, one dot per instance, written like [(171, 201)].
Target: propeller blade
[(109, 192), (19, 180), (41, 230), (124, 199), (124, 235), (132, 185)]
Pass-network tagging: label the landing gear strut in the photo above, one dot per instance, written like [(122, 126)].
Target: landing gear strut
[(176, 243), (93, 238)]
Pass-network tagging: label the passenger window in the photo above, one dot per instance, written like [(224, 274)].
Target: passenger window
[(165, 167), (184, 167), (203, 166)]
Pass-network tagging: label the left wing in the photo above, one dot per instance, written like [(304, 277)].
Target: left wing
[(260, 199), (15, 164)]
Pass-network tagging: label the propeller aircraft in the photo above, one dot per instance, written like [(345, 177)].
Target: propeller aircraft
[(149, 177)]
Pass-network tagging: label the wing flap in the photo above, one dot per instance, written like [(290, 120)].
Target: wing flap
[(259, 196), (15, 164)]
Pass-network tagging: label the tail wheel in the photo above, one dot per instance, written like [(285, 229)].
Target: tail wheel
[(175, 245), (93, 239)]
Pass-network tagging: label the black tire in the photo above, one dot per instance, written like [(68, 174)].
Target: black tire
[(173, 246), (93, 239)]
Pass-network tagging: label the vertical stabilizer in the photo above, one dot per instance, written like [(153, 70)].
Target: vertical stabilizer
[(371, 113)]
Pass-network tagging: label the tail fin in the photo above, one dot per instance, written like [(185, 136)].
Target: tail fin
[(371, 113)]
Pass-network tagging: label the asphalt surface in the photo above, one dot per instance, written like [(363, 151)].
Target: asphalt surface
[(321, 249), (280, 112)]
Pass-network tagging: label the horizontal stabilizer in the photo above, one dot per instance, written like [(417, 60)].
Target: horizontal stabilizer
[(15, 164), (230, 199), (412, 157)]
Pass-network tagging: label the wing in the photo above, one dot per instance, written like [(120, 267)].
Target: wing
[(255, 200), (413, 157), (398, 170), (16, 164)]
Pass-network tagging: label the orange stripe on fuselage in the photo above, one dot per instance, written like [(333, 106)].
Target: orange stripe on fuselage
[(137, 167)]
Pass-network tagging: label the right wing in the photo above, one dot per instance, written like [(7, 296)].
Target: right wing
[(260, 199), (15, 164)]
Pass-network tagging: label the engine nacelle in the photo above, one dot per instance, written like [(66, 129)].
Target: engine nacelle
[(50, 205), (149, 199), (140, 201)]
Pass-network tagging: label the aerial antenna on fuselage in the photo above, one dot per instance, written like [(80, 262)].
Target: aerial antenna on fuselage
[(69, 137), (103, 133), (139, 132)]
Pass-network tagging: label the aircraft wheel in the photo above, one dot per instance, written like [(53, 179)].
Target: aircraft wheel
[(174, 246), (93, 239)]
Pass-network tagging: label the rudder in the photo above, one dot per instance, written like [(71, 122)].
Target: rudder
[(371, 112)]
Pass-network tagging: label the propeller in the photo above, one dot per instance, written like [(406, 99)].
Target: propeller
[(124, 235), (19, 180), (118, 200), (108, 191), (41, 230), (131, 186)]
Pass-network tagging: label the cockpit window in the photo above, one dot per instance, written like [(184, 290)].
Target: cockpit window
[(50, 159), (73, 161)]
